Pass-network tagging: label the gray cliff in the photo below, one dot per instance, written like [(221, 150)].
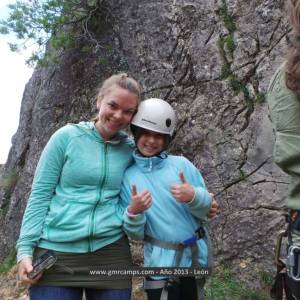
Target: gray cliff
[(212, 60)]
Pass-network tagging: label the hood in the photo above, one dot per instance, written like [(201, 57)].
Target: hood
[(90, 129)]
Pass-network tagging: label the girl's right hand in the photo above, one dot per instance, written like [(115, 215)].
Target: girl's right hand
[(24, 268), (139, 201), (214, 207)]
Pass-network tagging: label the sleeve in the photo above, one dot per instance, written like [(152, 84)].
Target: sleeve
[(284, 108), (45, 180), (285, 114), (201, 203), (133, 225)]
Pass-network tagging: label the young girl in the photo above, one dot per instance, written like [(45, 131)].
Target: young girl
[(167, 201)]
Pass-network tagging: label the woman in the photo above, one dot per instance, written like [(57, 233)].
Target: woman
[(167, 203), (284, 104), (73, 206)]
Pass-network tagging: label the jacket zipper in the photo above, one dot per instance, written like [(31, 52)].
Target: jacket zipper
[(103, 169)]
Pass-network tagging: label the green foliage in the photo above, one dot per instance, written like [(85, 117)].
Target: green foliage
[(222, 285), (9, 180), (260, 98), (225, 71), (103, 61), (3, 210), (238, 86), (85, 49), (235, 84), (242, 174), (226, 67), (265, 277), (230, 45), (227, 47), (227, 18), (226, 44), (59, 23), (8, 262)]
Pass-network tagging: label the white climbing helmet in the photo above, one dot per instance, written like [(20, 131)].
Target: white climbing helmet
[(156, 115)]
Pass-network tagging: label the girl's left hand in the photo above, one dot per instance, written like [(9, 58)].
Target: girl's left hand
[(183, 192), (139, 201)]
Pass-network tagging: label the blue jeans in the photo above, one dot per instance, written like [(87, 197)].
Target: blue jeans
[(45, 292)]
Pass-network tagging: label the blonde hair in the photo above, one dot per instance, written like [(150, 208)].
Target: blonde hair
[(123, 81)]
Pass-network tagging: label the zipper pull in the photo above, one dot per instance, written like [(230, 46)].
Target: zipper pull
[(150, 165)]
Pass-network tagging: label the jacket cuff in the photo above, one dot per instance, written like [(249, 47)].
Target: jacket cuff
[(193, 199), (134, 218), (202, 199), (24, 252)]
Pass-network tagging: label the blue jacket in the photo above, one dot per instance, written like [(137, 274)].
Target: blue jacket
[(73, 206), (167, 219)]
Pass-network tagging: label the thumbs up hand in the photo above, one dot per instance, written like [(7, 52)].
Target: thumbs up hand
[(139, 201), (183, 192)]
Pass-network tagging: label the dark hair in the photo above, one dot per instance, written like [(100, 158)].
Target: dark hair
[(292, 67), (137, 132)]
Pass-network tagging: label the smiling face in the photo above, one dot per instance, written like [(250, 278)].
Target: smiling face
[(116, 109), (151, 143)]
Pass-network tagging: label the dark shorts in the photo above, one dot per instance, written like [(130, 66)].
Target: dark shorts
[(75, 269), (185, 289)]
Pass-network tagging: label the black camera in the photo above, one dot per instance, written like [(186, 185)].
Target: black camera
[(45, 261)]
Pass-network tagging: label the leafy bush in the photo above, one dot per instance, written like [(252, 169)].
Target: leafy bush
[(58, 23)]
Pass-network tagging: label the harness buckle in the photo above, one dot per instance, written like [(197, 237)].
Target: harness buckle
[(170, 283), (293, 263), (191, 241), (199, 234), (200, 231)]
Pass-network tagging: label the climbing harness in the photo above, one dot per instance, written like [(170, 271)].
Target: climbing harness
[(191, 242), (292, 264), (289, 267)]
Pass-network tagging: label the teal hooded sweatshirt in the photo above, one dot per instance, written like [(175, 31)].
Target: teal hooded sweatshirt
[(73, 206)]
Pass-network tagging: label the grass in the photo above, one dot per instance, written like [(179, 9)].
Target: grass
[(227, 18), (9, 180), (8, 262), (230, 45), (265, 277), (223, 286)]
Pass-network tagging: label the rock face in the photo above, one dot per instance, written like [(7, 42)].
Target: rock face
[(212, 60)]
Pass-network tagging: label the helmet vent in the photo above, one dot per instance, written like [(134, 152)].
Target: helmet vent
[(145, 120), (168, 122)]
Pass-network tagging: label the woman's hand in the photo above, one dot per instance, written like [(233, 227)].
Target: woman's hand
[(139, 201), (24, 268), (183, 192)]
